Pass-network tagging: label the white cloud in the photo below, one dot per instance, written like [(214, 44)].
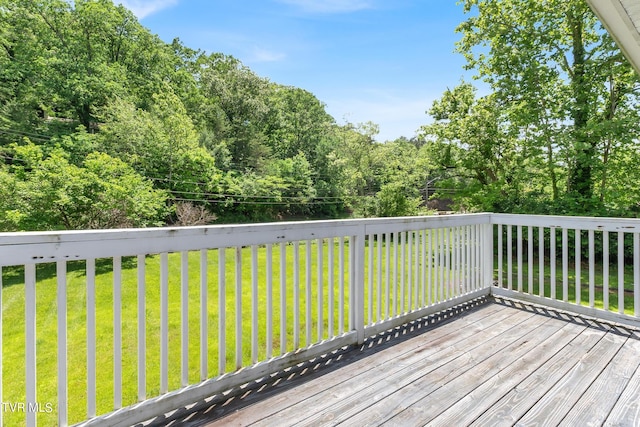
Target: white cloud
[(330, 6), (244, 46), (143, 8), (264, 55)]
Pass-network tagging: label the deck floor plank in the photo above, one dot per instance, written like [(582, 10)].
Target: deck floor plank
[(356, 377), (389, 393), (626, 411), (556, 403), (502, 363), (353, 397), (512, 406), (482, 398), (607, 388), (414, 404)]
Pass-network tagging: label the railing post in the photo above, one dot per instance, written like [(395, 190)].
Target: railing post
[(358, 284), (30, 340), (488, 254), (61, 273)]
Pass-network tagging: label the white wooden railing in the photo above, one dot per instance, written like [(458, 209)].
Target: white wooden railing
[(586, 265), (151, 320), (115, 327)]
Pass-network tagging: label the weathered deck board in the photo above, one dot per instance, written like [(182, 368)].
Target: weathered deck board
[(480, 399), (501, 363), (513, 405), (607, 388), (557, 402), (410, 404), (626, 411), (389, 392), (353, 384), (356, 377)]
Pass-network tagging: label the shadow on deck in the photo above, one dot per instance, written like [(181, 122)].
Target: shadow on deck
[(491, 361)]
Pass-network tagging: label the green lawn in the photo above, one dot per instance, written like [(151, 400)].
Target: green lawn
[(14, 323)]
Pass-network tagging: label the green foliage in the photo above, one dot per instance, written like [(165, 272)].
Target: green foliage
[(236, 108), (297, 122), (11, 214), (94, 91), (120, 197), (561, 116), (75, 57), (380, 179), (255, 197), (295, 174), (46, 193), (162, 144), (392, 200), (353, 161), (555, 134), (480, 145)]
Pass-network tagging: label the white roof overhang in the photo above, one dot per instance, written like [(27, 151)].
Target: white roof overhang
[(621, 18)]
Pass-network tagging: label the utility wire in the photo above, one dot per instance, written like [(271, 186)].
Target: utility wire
[(10, 132), (229, 198), (244, 202)]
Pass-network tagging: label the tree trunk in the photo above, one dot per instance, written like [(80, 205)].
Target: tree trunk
[(580, 174), (552, 171)]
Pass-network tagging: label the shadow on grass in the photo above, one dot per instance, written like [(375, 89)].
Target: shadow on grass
[(14, 275)]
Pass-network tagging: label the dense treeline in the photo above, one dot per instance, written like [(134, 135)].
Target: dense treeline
[(102, 124)]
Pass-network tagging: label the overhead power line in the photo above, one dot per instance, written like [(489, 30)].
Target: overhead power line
[(246, 202), (14, 133), (219, 198)]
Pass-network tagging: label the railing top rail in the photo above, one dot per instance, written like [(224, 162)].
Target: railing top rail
[(627, 225), (19, 248), (50, 246), (389, 225)]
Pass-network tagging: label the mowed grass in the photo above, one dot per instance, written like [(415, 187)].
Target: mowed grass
[(13, 319), (46, 323)]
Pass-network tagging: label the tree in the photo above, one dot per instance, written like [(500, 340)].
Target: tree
[(12, 210), (73, 57), (49, 193), (86, 84), (5, 59), (298, 191), (377, 179), (237, 108), (297, 123), (353, 163), (560, 81), (161, 144), (488, 159), (403, 172), (393, 200)]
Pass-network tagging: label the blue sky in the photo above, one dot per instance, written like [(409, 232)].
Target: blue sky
[(368, 60)]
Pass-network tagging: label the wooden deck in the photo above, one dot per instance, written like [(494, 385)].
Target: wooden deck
[(493, 362)]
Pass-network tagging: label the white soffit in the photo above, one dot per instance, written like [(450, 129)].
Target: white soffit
[(622, 19)]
